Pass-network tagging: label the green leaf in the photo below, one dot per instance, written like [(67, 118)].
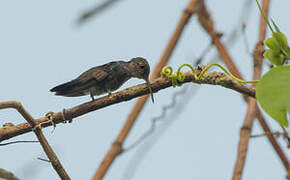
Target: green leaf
[(273, 93), (281, 39), (288, 53), (272, 44), (275, 57)]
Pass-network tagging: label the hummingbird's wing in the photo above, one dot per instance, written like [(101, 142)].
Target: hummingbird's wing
[(81, 85)]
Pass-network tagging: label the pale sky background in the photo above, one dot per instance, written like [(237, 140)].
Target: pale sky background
[(41, 47)]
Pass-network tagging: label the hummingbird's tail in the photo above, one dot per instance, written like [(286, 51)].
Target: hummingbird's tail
[(71, 88)]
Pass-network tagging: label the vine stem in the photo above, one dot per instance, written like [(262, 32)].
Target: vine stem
[(179, 76)]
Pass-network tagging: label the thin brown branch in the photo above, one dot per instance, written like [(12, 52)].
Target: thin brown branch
[(7, 175), (276, 133), (245, 135), (213, 78), (40, 136), (246, 129), (96, 10), (45, 160), (116, 150), (286, 136), (208, 24), (17, 142), (273, 141)]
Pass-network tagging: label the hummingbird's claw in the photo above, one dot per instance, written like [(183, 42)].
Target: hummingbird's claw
[(109, 92), (92, 96)]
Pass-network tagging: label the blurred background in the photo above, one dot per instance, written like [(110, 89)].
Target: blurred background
[(43, 44)]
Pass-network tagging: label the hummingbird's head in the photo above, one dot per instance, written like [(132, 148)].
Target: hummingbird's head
[(141, 69)]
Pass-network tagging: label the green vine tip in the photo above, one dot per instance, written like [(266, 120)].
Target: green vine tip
[(178, 77)]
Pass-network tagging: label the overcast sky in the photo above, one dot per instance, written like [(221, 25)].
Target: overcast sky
[(42, 46)]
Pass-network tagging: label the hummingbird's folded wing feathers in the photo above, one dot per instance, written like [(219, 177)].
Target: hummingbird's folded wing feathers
[(80, 85)]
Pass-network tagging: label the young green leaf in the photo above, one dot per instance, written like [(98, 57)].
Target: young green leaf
[(272, 44), (281, 39), (275, 57), (273, 93)]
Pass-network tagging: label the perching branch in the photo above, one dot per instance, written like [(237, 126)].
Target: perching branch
[(214, 78), (40, 136)]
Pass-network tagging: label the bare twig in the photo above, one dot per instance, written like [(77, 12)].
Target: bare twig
[(16, 142), (246, 42), (273, 141), (7, 175), (286, 136), (245, 134), (246, 129), (243, 18), (40, 136), (116, 150), (45, 160), (96, 10), (276, 133)]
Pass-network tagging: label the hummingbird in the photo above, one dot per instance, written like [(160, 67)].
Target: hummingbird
[(105, 78)]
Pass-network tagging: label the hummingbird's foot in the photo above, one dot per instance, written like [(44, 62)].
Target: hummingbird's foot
[(50, 118), (109, 93), (92, 96), (64, 117)]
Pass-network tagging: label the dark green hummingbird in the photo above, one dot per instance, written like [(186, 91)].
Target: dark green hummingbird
[(105, 78)]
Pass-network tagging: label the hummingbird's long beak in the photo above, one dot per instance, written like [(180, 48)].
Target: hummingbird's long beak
[(150, 89)]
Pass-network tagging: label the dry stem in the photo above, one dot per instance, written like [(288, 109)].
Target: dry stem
[(40, 136)]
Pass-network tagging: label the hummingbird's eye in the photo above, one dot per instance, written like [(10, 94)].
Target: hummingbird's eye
[(142, 66)]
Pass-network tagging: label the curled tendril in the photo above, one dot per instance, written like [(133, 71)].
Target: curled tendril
[(167, 71), (178, 77)]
